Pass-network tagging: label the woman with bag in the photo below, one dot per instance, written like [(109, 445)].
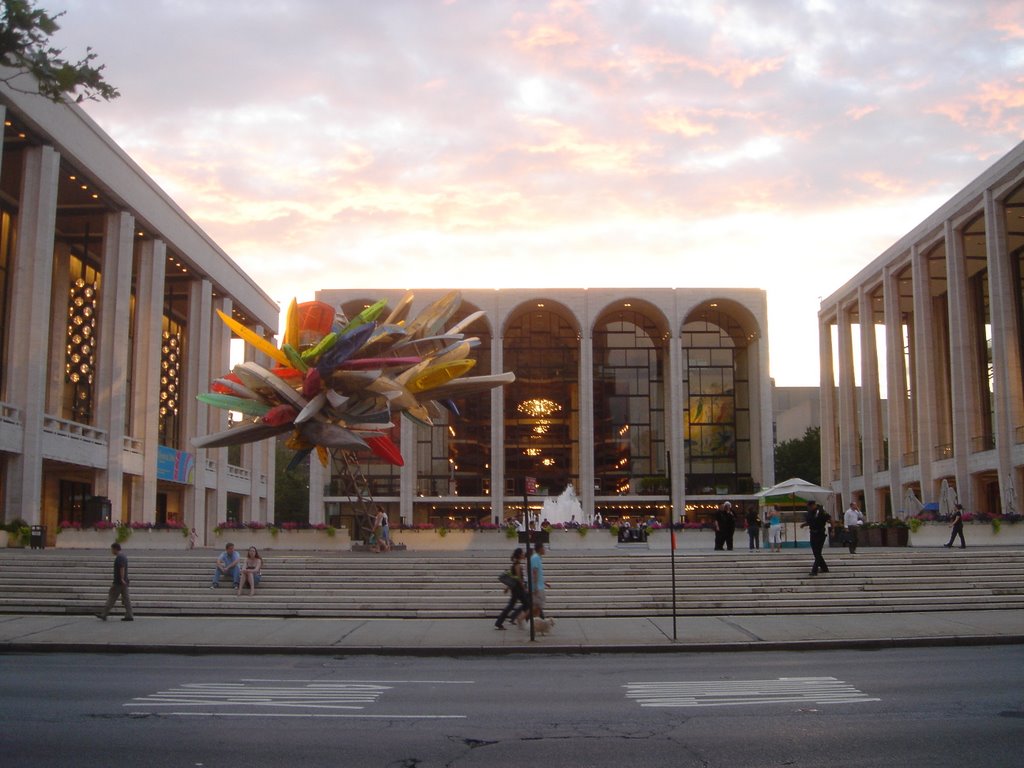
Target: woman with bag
[(513, 581)]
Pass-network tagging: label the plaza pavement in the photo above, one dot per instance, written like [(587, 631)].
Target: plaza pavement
[(458, 637)]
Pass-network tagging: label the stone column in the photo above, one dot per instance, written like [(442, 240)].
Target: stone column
[(924, 375), (112, 353), (849, 444), (218, 420), (497, 432), (896, 377), (963, 362), (149, 312), (197, 378), (29, 324), (870, 404), (827, 404), (675, 426), (586, 376)]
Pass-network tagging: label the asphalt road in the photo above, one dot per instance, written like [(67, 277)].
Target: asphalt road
[(912, 707)]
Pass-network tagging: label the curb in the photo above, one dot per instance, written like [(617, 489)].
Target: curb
[(565, 649)]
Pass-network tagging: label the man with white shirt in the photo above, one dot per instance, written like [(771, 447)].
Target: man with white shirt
[(853, 519)]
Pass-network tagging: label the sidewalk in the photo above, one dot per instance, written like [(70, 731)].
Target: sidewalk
[(421, 637)]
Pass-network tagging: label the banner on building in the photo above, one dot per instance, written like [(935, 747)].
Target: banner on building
[(176, 466)]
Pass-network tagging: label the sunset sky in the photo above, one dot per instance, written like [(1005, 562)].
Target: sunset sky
[(491, 143)]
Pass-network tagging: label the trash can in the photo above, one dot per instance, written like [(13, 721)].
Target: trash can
[(37, 538)]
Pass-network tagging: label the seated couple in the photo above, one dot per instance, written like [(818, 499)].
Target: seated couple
[(229, 563)]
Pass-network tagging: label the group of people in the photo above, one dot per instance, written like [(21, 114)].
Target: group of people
[(229, 563), (526, 595)]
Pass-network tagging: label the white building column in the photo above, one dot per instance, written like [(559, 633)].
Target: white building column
[(254, 454), (112, 354), (849, 448), (197, 378), (675, 427), (925, 399), (1006, 362), (218, 419), (586, 444), (827, 405), (30, 324), (497, 432), (149, 312), (963, 361), (896, 378), (870, 403)]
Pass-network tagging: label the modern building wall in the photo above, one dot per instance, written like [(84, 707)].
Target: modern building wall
[(108, 293), (636, 397), (945, 309)]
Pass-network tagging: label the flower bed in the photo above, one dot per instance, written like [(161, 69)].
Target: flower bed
[(977, 533)]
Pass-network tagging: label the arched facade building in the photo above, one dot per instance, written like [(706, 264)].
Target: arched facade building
[(640, 398)]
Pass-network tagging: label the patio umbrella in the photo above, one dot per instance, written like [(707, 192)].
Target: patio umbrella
[(795, 491)]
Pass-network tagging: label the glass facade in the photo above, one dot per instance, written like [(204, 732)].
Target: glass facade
[(629, 405), (716, 405), (542, 405)]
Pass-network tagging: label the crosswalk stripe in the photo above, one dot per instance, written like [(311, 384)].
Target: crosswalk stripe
[(723, 693)]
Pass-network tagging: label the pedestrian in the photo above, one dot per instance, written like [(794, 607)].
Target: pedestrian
[(251, 573), (775, 531), (818, 521), (754, 528), (538, 586), (227, 565), (853, 519), (119, 588), (725, 526), (193, 538), (958, 527), (517, 593)]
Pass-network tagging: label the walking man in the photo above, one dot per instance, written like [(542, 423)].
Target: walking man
[(817, 520), (958, 527), (119, 587), (853, 519)]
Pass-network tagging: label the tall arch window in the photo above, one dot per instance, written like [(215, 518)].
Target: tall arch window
[(629, 404), (454, 455), (542, 404), (716, 385), (172, 363)]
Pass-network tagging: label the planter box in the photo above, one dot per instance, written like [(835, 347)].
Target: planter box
[(975, 534), (306, 540)]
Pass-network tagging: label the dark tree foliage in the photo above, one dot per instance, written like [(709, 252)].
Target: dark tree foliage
[(800, 458), (25, 33)]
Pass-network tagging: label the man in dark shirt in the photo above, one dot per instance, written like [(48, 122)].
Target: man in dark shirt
[(119, 587), (817, 520)]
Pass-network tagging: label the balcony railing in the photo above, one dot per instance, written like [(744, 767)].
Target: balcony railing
[(9, 414), (981, 443), (1019, 435), (910, 459), (74, 431)]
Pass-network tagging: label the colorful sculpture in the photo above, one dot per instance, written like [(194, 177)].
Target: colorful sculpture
[(339, 382)]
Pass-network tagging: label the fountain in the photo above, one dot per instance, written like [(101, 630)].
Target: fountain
[(562, 508)]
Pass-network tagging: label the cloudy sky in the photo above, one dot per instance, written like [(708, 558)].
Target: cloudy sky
[(776, 144)]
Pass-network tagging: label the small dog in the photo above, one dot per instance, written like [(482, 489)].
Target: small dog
[(543, 626)]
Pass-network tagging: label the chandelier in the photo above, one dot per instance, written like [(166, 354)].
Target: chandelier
[(80, 350), (538, 407)]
